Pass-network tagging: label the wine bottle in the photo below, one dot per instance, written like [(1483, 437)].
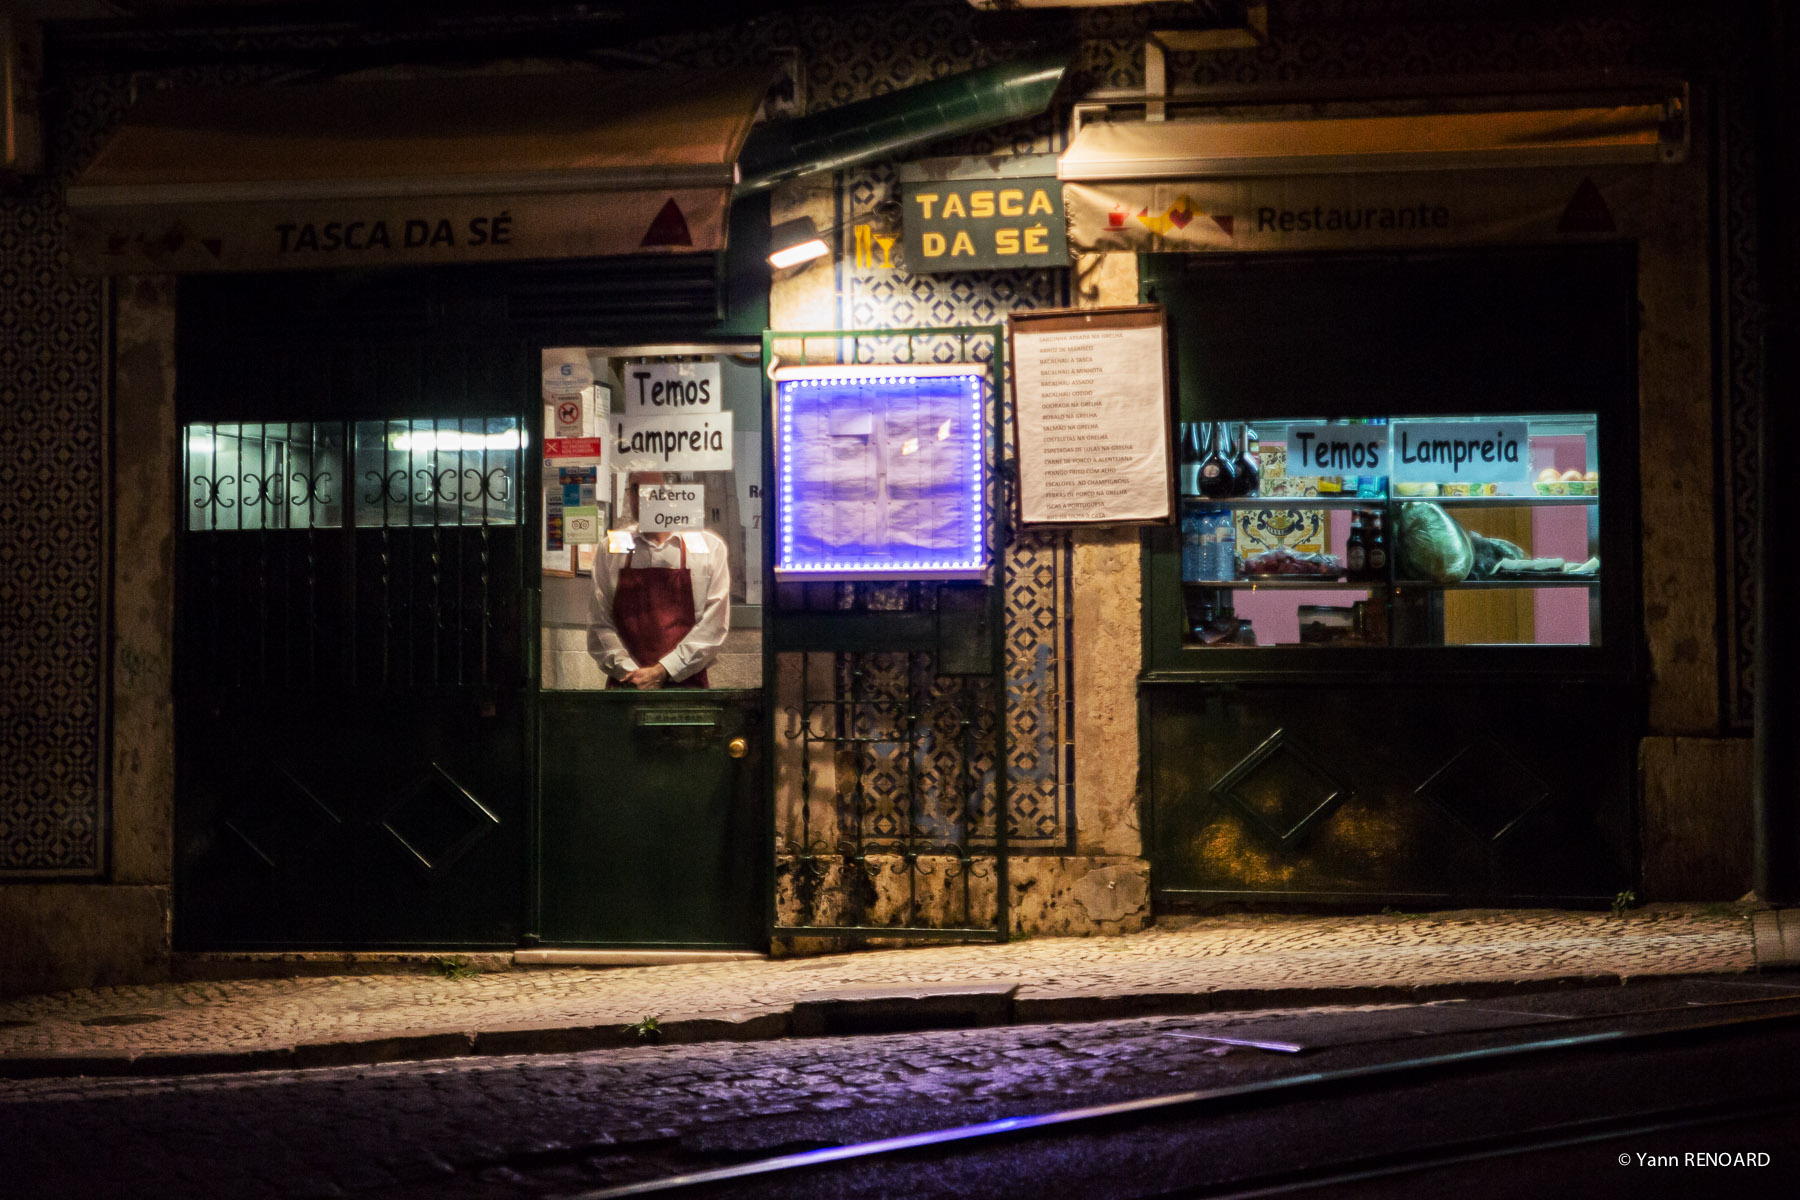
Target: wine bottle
[(1217, 479), (1249, 464), (1190, 458)]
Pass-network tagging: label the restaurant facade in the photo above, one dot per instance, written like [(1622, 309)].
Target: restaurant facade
[(303, 412)]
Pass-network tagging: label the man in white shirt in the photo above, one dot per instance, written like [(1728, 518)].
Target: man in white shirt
[(661, 610)]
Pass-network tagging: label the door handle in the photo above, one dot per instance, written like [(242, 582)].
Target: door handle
[(737, 747)]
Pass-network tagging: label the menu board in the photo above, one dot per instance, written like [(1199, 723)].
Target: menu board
[(881, 472), (1091, 416)]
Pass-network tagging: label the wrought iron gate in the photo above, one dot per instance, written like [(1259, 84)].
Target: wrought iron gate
[(889, 755), (351, 652)]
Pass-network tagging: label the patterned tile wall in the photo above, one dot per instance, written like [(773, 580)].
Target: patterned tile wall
[(53, 506)]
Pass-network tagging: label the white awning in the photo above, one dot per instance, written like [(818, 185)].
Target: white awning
[(1215, 147), (368, 173)]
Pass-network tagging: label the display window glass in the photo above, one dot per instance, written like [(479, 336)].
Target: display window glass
[(1391, 532), (265, 475), (645, 440)]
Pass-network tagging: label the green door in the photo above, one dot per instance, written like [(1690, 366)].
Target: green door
[(653, 828), (352, 717)]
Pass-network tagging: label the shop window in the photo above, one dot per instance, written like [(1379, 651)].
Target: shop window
[(619, 419), (281, 475), (1440, 531)]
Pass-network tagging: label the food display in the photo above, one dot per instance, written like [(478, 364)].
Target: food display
[(1452, 531), (1432, 546), (1282, 563), (1568, 482)]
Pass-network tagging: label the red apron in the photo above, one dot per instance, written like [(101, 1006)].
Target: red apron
[(653, 609)]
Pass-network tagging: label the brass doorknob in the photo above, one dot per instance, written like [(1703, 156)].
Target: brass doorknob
[(737, 747)]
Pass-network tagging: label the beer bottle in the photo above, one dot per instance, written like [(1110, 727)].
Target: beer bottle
[(1356, 549), (1377, 552)]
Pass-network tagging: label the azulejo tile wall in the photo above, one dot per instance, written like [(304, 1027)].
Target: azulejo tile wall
[(53, 505), (880, 292)]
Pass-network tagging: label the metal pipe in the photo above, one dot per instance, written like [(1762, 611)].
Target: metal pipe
[(882, 126)]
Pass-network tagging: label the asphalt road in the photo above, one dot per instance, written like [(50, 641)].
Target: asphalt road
[(562, 1125)]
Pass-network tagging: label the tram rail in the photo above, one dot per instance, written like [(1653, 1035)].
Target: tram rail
[(961, 1142)]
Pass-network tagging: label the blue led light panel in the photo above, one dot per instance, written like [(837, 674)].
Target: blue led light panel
[(880, 473)]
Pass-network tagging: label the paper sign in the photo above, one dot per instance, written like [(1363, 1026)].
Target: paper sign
[(1092, 417), (1453, 451), (582, 525), (671, 506), (674, 387), (576, 427), (568, 377), (1337, 450), (672, 443), (592, 451)]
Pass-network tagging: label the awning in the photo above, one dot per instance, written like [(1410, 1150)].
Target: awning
[(1340, 183), (467, 169), (1216, 147)]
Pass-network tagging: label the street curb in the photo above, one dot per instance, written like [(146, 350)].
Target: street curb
[(824, 1014)]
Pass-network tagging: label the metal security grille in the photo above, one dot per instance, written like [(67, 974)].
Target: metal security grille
[(889, 764), (364, 553)]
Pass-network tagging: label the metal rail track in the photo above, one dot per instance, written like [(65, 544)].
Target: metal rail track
[(1312, 1085)]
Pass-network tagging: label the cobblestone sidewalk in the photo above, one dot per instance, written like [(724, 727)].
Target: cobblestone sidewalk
[(1202, 965)]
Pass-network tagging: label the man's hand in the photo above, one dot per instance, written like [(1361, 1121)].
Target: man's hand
[(647, 678)]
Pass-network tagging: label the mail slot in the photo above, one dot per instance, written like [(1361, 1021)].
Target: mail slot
[(688, 718)]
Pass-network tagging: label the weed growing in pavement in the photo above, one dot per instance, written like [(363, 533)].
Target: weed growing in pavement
[(648, 1030), (1623, 901), (455, 966), (1722, 908), (1390, 911)]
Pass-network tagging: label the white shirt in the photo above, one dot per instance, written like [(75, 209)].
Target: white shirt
[(710, 574)]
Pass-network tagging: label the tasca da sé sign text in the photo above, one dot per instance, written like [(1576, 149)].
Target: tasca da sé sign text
[(981, 224)]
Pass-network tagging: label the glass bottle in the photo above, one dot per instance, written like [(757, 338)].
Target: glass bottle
[(1377, 548), (1190, 458), (1217, 479), (1356, 549), (1249, 463)]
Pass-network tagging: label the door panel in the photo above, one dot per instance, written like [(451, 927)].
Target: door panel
[(313, 818), (1475, 792), (651, 833), (352, 746)]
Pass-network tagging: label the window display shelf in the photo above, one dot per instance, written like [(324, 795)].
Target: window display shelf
[(1336, 502), (1580, 581), (1505, 501), (1293, 584), (1286, 502), (1353, 585)]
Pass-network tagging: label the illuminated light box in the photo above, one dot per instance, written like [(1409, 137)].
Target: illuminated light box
[(880, 472)]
